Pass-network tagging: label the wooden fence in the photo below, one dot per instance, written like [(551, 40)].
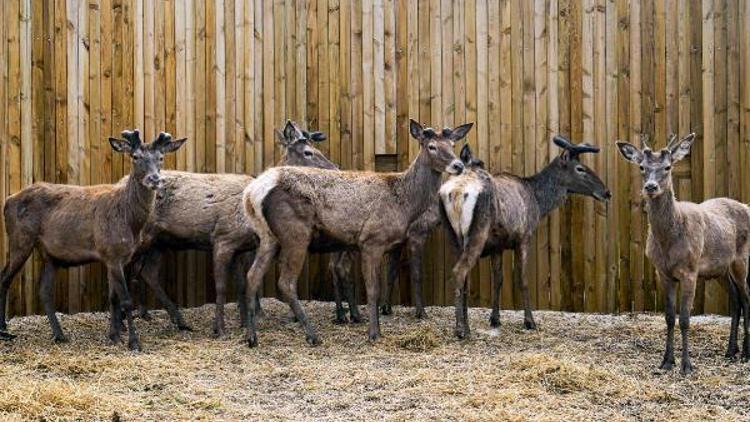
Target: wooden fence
[(226, 72)]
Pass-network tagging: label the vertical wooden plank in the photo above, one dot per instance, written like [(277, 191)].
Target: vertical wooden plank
[(542, 141), (13, 129), (220, 72), (143, 45), (345, 97), (412, 77), (269, 99), (356, 85), (27, 141), (368, 97), (744, 71), (621, 195), (510, 294), (599, 302), (564, 96), (611, 128), (577, 210), (389, 80), (529, 130), (696, 119), (323, 75), (248, 76), (459, 100), (734, 179), (96, 115), (334, 84), (484, 48), (553, 128), (259, 84), (470, 55), (237, 123), (378, 77), (72, 40), (636, 211), (709, 143)]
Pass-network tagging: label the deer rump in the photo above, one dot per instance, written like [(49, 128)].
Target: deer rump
[(493, 204)]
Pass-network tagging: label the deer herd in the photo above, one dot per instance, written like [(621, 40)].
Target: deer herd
[(307, 205)]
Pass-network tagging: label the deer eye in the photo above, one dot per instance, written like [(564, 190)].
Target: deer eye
[(308, 153), (642, 168), (668, 168), (580, 169)]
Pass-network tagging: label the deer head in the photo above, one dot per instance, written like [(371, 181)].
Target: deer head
[(438, 146), (147, 159), (575, 176), (656, 167), (300, 149)]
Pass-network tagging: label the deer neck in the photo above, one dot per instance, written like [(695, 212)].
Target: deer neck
[(418, 187), (548, 191), (663, 217), (137, 202)]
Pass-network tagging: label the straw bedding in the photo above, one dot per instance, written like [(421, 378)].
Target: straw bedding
[(575, 367)]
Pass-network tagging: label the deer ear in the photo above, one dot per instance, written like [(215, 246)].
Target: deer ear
[(291, 133), (280, 138), (682, 148), (461, 132), (121, 145), (630, 152), (416, 130), (317, 136), (172, 145), (466, 154)]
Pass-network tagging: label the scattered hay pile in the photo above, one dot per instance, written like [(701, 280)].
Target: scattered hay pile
[(575, 367)]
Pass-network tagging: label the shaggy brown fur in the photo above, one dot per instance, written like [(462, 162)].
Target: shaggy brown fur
[(75, 225), (688, 241), (488, 214), (293, 208), (204, 212)]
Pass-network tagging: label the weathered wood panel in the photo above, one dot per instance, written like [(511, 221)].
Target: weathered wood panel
[(225, 73)]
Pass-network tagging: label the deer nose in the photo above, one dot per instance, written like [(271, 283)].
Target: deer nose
[(651, 187), (154, 179), (607, 195), (457, 167)]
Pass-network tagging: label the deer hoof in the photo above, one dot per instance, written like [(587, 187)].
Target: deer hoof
[(252, 341), (462, 333), (686, 368), (667, 365), (340, 320), (373, 337), (386, 310), (60, 339), (134, 344), (529, 325), (355, 319), (4, 335), (731, 353), (184, 327), (495, 321), (313, 340), (420, 313)]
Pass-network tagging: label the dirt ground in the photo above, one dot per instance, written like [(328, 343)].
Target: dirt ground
[(575, 367)]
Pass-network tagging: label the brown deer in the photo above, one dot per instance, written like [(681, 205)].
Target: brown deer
[(204, 212), (488, 214), (688, 241), (293, 209), (75, 225)]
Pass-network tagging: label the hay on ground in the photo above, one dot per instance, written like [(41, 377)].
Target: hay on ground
[(575, 367)]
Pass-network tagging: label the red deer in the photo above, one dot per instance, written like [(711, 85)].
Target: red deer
[(688, 241), (487, 214), (204, 212), (293, 209), (75, 225)]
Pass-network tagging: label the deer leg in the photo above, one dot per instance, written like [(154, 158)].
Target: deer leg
[(497, 287), (393, 263), (372, 259), (263, 260), (670, 294), (18, 255), (521, 279), (739, 276), (240, 265), (337, 289), (344, 270), (734, 312), (116, 278), (465, 263), (47, 296), (291, 261), (416, 252), (115, 316), (686, 306), (150, 275), (222, 261)]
